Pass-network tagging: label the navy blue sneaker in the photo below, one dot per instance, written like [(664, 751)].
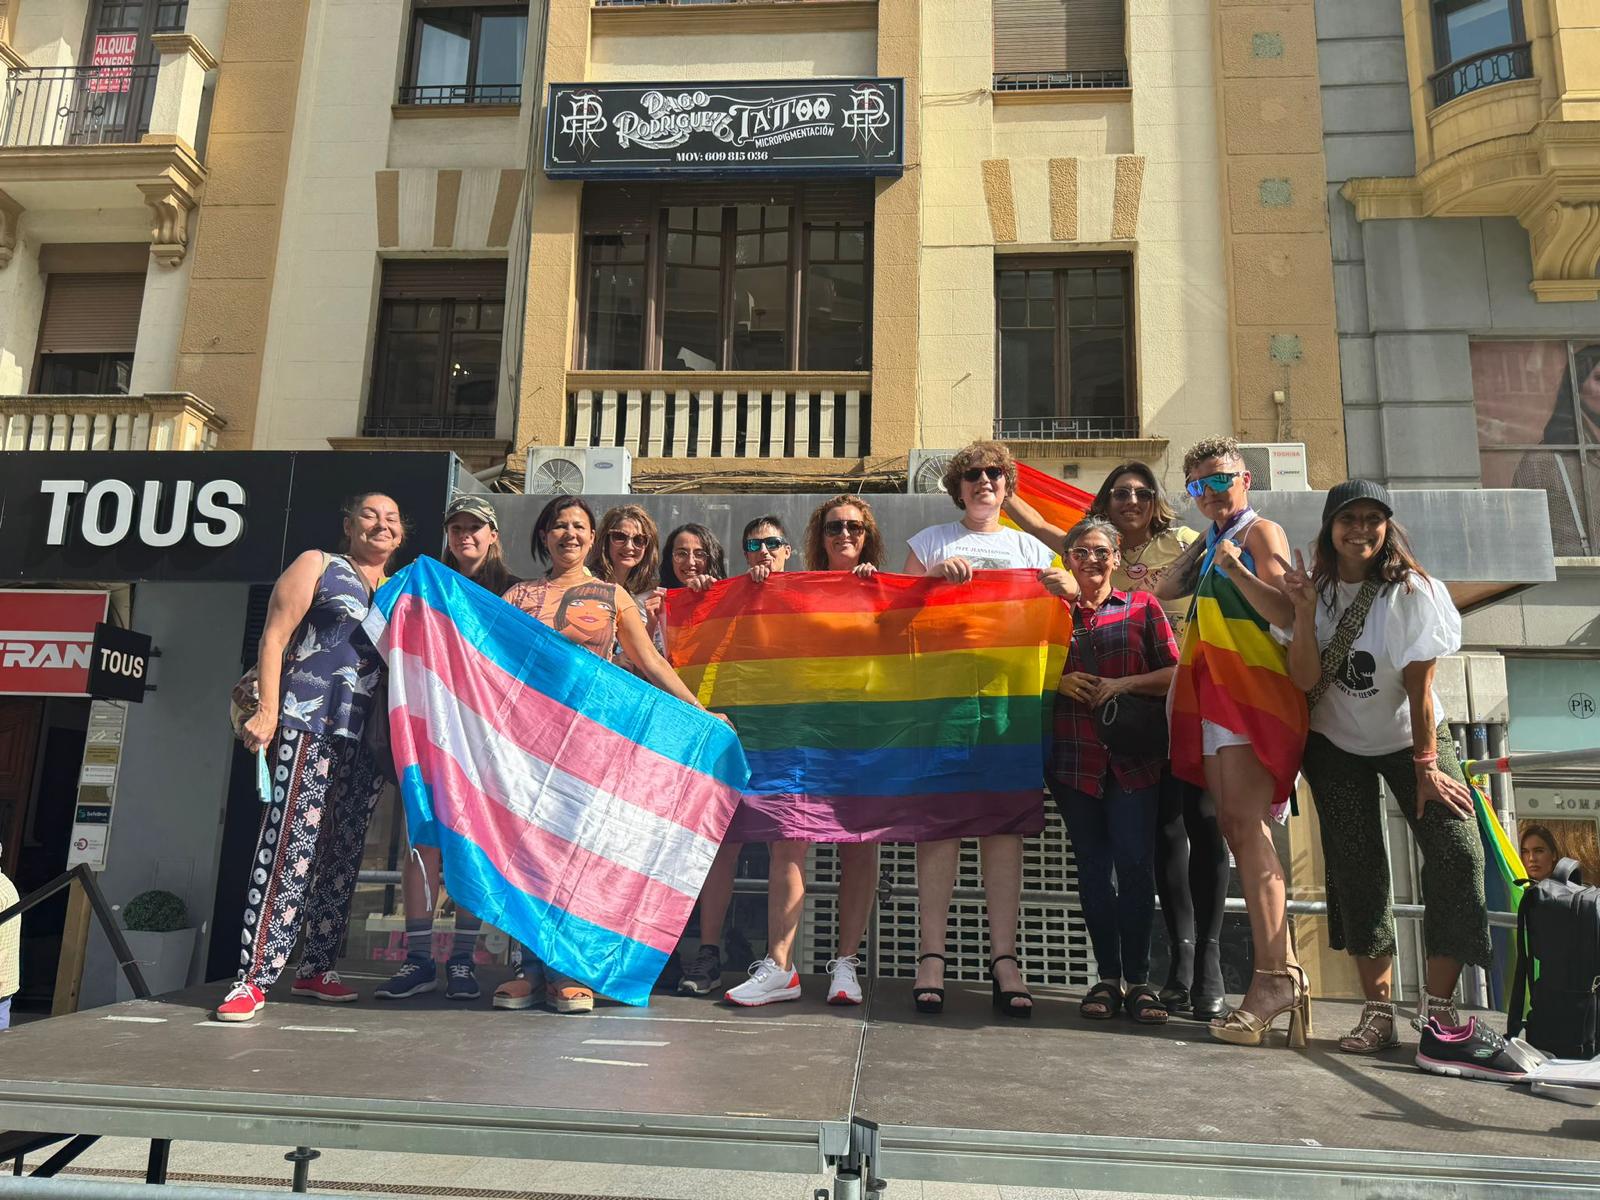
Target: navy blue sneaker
[(415, 976), (460, 980)]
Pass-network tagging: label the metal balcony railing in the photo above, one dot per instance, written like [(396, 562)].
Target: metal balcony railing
[(462, 93), (683, 3), (1065, 428), (673, 414), (155, 421), (1039, 81), (77, 106), (381, 425), (1500, 65)]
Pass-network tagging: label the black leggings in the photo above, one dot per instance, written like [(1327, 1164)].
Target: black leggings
[(1191, 870)]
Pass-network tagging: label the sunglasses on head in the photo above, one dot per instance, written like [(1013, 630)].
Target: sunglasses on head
[(1221, 481), (993, 474), (835, 528), (637, 540), (1140, 494), (1084, 553), (757, 545)]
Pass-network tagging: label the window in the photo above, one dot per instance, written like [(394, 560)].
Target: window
[(1477, 43), (1538, 412), (1059, 44), (87, 334), (84, 374), (1065, 348), (437, 367), (682, 278), (465, 53)]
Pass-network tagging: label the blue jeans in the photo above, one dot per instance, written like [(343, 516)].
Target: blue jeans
[(1113, 839), (5, 1014)]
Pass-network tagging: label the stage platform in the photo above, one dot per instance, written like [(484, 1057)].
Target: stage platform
[(870, 1092)]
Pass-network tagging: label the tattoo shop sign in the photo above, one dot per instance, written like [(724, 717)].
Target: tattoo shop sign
[(811, 127)]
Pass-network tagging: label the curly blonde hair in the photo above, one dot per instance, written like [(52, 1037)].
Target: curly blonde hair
[(816, 547), (979, 454), (1225, 448)]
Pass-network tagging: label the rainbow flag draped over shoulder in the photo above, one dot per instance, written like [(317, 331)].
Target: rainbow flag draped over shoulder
[(577, 807), (892, 709), (1056, 500), (1232, 673)]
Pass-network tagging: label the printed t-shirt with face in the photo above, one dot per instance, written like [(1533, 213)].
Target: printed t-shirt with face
[(1004, 549), (1141, 569), (1365, 710), (584, 612)]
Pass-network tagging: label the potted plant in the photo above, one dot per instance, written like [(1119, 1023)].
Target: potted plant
[(157, 927)]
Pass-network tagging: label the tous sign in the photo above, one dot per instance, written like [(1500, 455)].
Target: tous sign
[(207, 512)]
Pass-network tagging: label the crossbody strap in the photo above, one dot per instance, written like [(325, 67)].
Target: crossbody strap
[(1338, 647)]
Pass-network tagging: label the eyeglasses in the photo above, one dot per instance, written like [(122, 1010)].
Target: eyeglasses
[(993, 474), (1140, 494), (835, 528), (682, 554), (757, 545), (1084, 553), (637, 540), (1220, 482)]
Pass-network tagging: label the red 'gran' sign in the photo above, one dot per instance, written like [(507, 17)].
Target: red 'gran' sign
[(45, 641)]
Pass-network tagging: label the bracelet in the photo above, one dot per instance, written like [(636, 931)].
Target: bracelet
[(1426, 760)]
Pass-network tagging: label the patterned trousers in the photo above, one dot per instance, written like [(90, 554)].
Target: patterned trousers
[(324, 789)]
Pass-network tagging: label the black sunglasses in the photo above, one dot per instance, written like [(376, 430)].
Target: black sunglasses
[(835, 528), (756, 545), (994, 474)]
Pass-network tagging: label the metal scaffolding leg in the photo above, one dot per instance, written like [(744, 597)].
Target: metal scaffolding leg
[(155, 1168), (302, 1157), (64, 1156)]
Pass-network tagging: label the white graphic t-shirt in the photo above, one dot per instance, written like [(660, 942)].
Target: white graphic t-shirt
[(1001, 550), (1365, 710)]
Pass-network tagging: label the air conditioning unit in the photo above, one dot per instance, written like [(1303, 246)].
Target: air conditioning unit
[(578, 470), (1276, 466), (925, 472)]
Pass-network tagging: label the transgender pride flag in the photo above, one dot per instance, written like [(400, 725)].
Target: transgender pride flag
[(577, 807)]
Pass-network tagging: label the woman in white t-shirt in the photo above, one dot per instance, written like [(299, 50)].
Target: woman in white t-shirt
[(1374, 713), (978, 478)]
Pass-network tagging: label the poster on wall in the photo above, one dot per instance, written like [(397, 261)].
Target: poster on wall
[(97, 784), (112, 58), (814, 127)]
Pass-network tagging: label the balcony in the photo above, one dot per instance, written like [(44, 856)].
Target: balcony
[(708, 16), (715, 415), (458, 94), (153, 421), (1501, 65), (1053, 81), (77, 106), (1049, 429)]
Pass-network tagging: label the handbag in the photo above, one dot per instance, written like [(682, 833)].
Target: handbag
[(244, 698), (1337, 650), (1127, 725)]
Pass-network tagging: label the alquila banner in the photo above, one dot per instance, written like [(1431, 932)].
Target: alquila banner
[(809, 127)]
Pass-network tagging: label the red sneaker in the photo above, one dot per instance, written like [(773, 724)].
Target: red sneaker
[(325, 987), (242, 1003)]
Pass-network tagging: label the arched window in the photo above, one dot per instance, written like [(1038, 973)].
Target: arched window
[(1476, 44)]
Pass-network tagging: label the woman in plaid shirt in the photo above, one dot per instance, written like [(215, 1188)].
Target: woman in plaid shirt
[(1109, 800)]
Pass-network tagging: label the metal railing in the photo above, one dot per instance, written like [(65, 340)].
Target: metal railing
[(1500, 65), (443, 426), (1040, 81), (461, 93), (685, 3), (154, 421), (1065, 428), (709, 415), (78, 106)]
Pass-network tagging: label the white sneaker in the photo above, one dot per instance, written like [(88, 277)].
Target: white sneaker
[(768, 983), (843, 987)]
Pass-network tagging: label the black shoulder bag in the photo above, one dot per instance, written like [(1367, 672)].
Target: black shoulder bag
[(1127, 725)]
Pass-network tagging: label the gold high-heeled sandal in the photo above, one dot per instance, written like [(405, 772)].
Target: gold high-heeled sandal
[(1243, 1028)]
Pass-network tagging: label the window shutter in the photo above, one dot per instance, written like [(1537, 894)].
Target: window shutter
[(1095, 37), (1030, 36), (845, 203), (619, 208), (91, 314), (444, 279)]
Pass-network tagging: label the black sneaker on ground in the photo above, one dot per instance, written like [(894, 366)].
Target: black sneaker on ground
[(415, 976), (1471, 1051), (704, 975), (461, 981)]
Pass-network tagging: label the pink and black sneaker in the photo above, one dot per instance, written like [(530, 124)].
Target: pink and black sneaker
[(1471, 1051), (325, 987)]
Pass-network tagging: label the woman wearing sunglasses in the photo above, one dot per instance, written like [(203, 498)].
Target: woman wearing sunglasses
[(625, 552), (1238, 723), (766, 549), (1191, 857), (1369, 627), (979, 479), (842, 535)]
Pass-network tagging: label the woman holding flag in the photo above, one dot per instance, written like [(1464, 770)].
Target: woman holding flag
[(1369, 626), (1239, 722)]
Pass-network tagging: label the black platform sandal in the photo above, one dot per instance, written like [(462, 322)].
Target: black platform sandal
[(932, 1007), (1145, 1006), (1104, 998), (1005, 1001)]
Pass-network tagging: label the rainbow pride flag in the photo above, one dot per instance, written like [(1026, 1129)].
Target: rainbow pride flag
[(898, 708), (1232, 673), (577, 807), (1056, 500)]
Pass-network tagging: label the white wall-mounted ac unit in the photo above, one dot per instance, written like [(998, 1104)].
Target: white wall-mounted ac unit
[(1276, 466), (925, 472), (578, 470)]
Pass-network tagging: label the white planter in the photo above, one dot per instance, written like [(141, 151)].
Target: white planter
[(163, 958)]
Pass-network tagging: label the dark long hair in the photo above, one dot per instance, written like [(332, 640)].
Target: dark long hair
[(1394, 563), (493, 574), (1161, 516), (1563, 426), (717, 567), (547, 520), (1543, 834), (643, 577)]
